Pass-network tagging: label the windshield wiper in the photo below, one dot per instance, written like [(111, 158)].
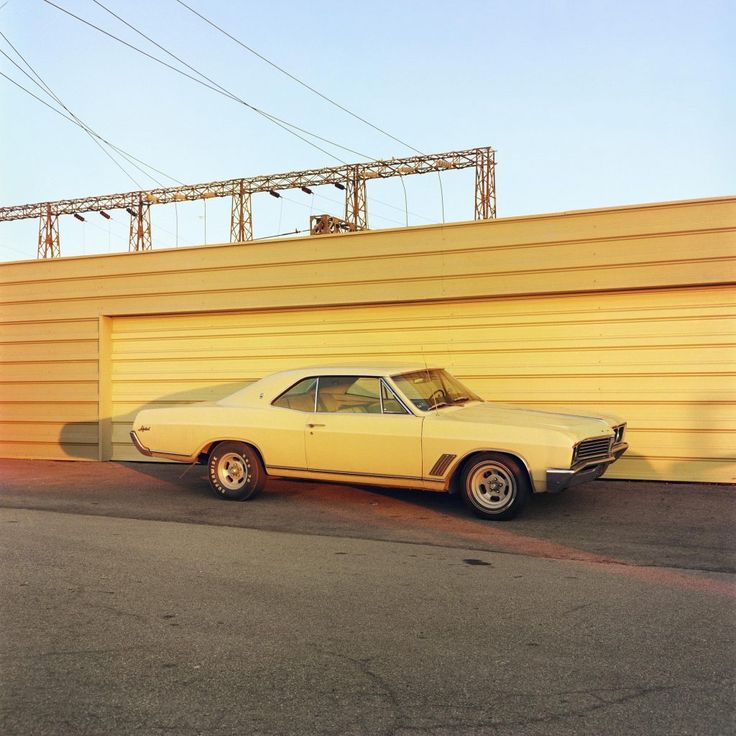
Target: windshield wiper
[(439, 404)]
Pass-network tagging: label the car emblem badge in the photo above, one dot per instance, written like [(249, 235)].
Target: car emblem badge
[(143, 429)]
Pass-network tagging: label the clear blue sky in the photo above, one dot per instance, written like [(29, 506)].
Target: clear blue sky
[(589, 104)]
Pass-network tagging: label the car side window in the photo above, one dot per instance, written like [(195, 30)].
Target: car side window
[(299, 397), (349, 394), (391, 405)]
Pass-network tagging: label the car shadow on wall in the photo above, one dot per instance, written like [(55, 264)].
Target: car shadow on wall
[(80, 440)]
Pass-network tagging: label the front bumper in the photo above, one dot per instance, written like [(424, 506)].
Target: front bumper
[(559, 480)]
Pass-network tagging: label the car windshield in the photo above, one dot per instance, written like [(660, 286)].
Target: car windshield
[(433, 388)]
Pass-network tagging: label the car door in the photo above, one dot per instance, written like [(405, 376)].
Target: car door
[(360, 427), (282, 434)]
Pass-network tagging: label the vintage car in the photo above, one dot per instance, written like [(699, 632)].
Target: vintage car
[(405, 426)]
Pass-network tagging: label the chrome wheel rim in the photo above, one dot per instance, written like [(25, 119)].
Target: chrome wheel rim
[(232, 471), (492, 486)]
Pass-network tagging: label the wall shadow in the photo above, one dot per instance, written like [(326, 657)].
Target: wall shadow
[(121, 424)]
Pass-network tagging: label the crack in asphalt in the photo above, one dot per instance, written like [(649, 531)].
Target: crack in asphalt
[(631, 694), (403, 712)]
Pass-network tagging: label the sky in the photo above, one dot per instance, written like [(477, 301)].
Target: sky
[(588, 104)]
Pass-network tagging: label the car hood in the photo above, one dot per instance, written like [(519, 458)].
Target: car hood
[(487, 413)]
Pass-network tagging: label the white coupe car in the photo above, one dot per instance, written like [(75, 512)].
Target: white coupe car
[(395, 425)]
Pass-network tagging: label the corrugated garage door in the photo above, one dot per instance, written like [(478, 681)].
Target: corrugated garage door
[(662, 359)]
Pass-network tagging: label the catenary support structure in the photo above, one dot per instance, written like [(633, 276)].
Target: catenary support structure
[(351, 178)]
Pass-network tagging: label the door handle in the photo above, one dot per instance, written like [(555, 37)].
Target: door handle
[(311, 426)]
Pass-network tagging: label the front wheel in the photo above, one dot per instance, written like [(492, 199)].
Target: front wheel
[(494, 486), (235, 471)]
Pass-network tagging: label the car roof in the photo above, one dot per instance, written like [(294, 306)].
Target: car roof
[(364, 368), (271, 386)]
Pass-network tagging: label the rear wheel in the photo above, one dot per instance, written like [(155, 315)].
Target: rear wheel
[(235, 471), (494, 486)]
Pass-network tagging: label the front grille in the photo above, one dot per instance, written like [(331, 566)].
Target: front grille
[(592, 449)]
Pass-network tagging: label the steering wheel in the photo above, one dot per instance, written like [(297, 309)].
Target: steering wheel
[(441, 397)]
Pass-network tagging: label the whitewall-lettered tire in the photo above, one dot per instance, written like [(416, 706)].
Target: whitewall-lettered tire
[(235, 471)]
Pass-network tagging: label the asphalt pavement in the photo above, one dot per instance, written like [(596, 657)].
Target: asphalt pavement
[(135, 602)]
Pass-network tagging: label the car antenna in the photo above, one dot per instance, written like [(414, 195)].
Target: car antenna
[(426, 369), (424, 359)]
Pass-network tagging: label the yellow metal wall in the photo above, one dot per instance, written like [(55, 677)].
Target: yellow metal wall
[(665, 367), (629, 309)]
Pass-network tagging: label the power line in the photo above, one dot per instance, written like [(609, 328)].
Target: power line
[(11, 247), (214, 86), (219, 87), (67, 117), (279, 235), (324, 97), (96, 137), (93, 135), (340, 204), (295, 78), (76, 120), (122, 152), (371, 199), (290, 128), (71, 120), (350, 177)]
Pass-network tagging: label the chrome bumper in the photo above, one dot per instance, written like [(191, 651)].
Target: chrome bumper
[(558, 480), (140, 446), (175, 456)]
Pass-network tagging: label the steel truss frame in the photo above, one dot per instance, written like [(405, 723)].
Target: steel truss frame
[(350, 177)]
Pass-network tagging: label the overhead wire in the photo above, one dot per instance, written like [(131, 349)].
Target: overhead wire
[(71, 117), (380, 217), (333, 201), (290, 128), (293, 201), (222, 89), (215, 86), (280, 235), (133, 160), (328, 99), (96, 137), (320, 196), (294, 77), (233, 95), (11, 247), (59, 112), (71, 120), (319, 94), (401, 209), (75, 119)]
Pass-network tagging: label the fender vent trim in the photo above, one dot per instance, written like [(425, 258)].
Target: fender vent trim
[(443, 462)]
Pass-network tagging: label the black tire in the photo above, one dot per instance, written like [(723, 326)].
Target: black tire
[(235, 471), (494, 486)]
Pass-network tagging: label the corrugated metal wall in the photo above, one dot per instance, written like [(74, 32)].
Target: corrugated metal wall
[(630, 309), (663, 368)]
